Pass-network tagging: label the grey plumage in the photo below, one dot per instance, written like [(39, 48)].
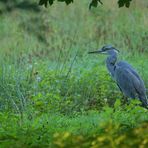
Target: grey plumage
[(126, 77)]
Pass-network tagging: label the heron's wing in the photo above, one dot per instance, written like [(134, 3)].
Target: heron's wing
[(124, 80), (130, 84), (124, 64)]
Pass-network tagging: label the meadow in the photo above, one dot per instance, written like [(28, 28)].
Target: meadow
[(52, 92)]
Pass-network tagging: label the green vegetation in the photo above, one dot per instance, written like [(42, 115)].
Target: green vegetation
[(52, 93)]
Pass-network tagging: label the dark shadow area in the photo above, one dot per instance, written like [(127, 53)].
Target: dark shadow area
[(35, 24), (37, 27), (10, 5)]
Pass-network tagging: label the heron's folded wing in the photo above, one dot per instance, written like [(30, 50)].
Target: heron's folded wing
[(127, 81), (124, 64)]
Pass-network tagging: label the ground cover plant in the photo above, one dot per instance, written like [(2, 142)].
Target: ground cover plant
[(52, 93)]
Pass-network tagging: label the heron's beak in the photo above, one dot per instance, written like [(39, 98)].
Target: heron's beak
[(97, 51)]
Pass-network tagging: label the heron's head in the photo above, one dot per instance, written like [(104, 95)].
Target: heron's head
[(108, 49)]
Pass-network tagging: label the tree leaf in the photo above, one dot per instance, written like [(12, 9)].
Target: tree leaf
[(68, 1), (120, 3), (94, 3), (123, 3), (100, 2), (50, 2), (41, 2), (45, 2)]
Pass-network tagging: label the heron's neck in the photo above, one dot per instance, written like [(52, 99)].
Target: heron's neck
[(111, 63)]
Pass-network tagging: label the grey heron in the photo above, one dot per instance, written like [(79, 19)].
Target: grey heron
[(126, 77)]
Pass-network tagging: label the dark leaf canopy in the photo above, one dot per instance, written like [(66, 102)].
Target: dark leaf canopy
[(93, 3)]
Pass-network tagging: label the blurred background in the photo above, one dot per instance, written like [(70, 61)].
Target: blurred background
[(50, 87), (28, 28)]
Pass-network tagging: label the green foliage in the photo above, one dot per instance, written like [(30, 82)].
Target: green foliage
[(109, 138), (111, 127), (71, 94)]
